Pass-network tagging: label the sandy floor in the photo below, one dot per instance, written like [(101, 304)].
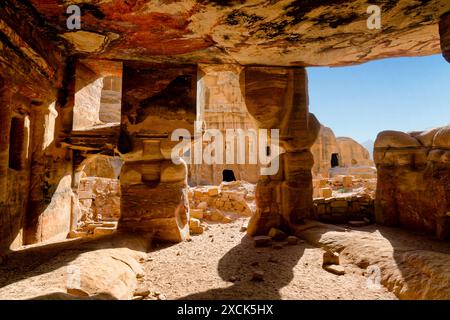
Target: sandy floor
[(219, 265)]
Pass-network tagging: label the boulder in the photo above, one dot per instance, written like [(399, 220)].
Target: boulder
[(395, 139), (330, 258)]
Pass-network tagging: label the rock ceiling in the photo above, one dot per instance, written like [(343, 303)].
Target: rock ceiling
[(267, 32)]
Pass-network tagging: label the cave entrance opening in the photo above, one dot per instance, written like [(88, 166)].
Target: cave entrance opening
[(228, 175), (334, 160), (97, 190)]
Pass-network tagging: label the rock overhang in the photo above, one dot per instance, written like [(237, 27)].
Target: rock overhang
[(256, 32)]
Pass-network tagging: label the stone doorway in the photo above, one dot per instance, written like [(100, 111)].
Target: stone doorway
[(96, 210), (228, 175), (334, 160)]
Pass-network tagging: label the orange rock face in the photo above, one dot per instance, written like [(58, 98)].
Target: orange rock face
[(297, 32), (284, 197), (329, 151), (413, 180)]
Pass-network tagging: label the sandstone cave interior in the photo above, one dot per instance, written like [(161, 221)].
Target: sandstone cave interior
[(88, 186)]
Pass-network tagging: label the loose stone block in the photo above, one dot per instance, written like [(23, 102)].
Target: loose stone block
[(212, 192), (347, 181), (262, 241), (202, 205), (196, 213), (323, 183), (330, 258), (335, 269), (194, 223), (326, 192), (196, 230)]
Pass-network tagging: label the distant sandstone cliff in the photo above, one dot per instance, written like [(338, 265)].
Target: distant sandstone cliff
[(329, 152)]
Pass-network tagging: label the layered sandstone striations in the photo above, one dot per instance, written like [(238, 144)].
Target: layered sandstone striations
[(414, 180), (35, 173), (156, 101), (286, 33), (277, 98)]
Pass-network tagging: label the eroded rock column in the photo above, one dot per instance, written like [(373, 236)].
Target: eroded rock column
[(50, 197), (444, 31), (156, 101), (277, 98)]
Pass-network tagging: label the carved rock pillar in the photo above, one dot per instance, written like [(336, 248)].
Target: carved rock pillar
[(277, 98), (156, 101)]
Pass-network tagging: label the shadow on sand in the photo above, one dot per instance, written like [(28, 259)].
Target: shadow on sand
[(238, 265)]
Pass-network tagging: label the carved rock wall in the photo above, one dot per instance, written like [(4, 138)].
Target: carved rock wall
[(35, 173), (221, 106), (414, 180), (156, 101)]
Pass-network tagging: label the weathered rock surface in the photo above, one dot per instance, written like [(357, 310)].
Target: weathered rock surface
[(105, 269), (230, 200), (154, 189), (221, 106), (410, 266), (352, 153), (298, 33), (444, 31), (344, 151), (277, 98), (414, 169), (322, 150)]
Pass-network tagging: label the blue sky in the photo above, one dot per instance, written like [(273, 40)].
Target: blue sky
[(402, 94)]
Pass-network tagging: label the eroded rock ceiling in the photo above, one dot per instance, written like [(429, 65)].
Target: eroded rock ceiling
[(267, 32)]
